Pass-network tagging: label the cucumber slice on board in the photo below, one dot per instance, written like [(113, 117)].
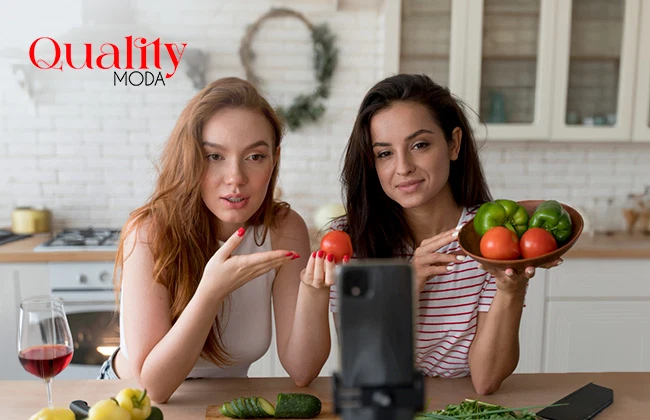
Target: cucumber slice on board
[(236, 410), (227, 411), (241, 405), (297, 406), (266, 407), (250, 407)]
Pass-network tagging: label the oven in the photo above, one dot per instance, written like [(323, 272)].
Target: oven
[(89, 300)]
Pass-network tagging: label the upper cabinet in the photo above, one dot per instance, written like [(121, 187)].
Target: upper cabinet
[(641, 126), (595, 67), (425, 40), (564, 70), (508, 67)]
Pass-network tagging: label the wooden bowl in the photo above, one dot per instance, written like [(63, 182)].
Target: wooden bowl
[(469, 242)]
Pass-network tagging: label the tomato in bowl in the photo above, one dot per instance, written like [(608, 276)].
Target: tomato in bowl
[(470, 242)]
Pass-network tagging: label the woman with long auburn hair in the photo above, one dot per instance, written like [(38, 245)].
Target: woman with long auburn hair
[(199, 264), (412, 178)]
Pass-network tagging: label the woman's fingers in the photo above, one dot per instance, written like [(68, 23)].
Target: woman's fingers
[(231, 244), (437, 259), (553, 263), (529, 272), (436, 242), (429, 271), (320, 271), (262, 262), (330, 270)]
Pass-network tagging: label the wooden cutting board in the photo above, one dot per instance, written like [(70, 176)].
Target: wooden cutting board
[(327, 413)]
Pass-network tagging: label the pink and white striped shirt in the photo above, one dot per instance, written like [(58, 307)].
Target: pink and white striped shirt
[(448, 312)]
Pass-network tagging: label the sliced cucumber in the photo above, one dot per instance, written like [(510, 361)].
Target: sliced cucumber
[(250, 407), (234, 408), (297, 406), (242, 407), (226, 411), (266, 407)]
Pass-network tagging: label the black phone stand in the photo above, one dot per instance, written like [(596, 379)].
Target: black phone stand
[(408, 396)]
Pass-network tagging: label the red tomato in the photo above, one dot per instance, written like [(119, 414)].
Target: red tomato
[(535, 242), (500, 243), (337, 243)]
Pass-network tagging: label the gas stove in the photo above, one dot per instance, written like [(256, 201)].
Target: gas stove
[(90, 239)]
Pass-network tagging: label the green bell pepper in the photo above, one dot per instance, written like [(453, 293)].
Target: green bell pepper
[(501, 213), (551, 216)]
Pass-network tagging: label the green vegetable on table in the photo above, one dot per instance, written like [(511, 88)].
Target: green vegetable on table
[(287, 406), (551, 216), (478, 410), (505, 213)]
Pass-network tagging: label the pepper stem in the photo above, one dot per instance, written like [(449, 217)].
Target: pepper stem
[(144, 394)]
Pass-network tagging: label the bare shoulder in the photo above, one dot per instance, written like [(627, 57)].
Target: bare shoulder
[(138, 236), (290, 227)]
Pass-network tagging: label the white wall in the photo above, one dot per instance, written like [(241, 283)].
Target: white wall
[(85, 148)]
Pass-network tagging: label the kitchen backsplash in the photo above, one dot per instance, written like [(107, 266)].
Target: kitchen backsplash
[(86, 149)]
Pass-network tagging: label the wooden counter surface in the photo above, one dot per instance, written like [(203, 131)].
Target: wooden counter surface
[(615, 246), (22, 251), (620, 245), (21, 399)]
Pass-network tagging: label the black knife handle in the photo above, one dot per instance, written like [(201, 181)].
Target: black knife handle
[(80, 409)]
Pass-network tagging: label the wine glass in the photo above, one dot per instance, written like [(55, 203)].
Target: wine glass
[(44, 340)]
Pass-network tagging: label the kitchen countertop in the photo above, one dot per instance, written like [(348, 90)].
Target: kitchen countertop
[(23, 251), (620, 245), (21, 399)]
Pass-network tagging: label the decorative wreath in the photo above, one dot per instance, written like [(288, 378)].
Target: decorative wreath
[(305, 107)]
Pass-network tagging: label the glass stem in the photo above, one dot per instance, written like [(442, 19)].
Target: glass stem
[(48, 385)]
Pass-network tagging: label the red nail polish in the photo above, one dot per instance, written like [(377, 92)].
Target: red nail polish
[(295, 256), (321, 253), (330, 258), (240, 232), (288, 254), (313, 255), (346, 258)]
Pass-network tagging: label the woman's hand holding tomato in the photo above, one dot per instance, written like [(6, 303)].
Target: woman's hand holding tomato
[(336, 247), (337, 243)]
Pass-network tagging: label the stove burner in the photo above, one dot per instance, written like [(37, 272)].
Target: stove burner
[(84, 238)]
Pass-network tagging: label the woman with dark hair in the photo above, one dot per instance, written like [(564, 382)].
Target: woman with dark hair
[(200, 262), (412, 178)]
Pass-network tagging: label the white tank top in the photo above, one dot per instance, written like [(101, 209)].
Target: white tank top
[(246, 323)]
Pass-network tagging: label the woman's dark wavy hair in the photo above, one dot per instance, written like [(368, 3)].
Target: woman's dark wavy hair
[(375, 222)]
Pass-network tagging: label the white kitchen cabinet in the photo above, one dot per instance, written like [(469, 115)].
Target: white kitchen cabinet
[(641, 122), (18, 281), (588, 315), (424, 36), (508, 67), (595, 64), (598, 336), (562, 70)]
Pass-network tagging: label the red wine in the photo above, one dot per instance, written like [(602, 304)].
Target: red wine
[(45, 361)]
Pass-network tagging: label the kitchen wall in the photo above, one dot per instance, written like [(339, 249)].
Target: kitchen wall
[(86, 149)]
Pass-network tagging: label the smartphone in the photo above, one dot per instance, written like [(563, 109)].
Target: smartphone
[(582, 404), (377, 377)]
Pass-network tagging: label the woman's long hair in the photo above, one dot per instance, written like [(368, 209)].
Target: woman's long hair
[(375, 222), (182, 232)]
